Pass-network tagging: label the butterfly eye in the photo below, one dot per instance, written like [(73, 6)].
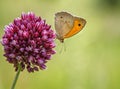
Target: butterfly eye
[(61, 17), (79, 24)]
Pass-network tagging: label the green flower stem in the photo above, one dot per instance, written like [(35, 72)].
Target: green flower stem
[(16, 77)]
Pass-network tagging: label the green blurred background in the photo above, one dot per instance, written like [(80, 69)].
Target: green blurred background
[(92, 57)]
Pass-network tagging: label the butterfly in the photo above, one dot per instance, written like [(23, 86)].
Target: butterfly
[(67, 25)]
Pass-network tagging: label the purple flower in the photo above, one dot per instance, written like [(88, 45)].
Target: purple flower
[(28, 41)]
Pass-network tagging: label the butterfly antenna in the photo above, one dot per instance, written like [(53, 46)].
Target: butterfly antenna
[(64, 45), (61, 49)]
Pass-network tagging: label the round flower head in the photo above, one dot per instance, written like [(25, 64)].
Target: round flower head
[(28, 41)]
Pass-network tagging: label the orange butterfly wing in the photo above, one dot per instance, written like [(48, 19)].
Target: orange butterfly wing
[(79, 23)]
